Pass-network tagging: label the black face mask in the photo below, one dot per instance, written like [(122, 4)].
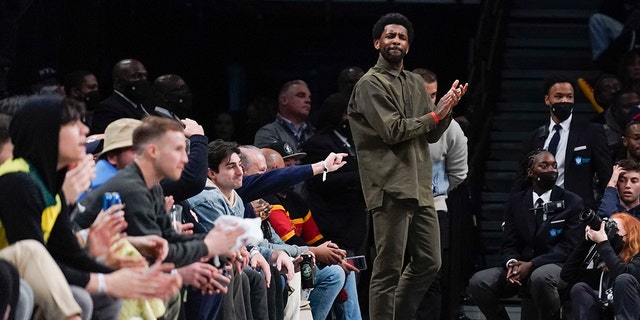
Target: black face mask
[(179, 101), (562, 110), (137, 91), (616, 243), (91, 99), (546, 180)]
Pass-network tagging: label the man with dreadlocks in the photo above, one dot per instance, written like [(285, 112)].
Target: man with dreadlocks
[(541, 228)]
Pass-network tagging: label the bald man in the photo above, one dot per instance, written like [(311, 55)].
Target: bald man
[(172, 97), (131, 91), (274, 159)]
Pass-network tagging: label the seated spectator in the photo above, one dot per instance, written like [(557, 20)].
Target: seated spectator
[(273, 158), (623, 190), (292, 220), (328, 279), (81, 85), (117, 152), (172, 97), (631, 140), (290, 124), (291, 158), (38, 183), (130, 97), (603, 92), (536, 241), (617, 117), (220, 198), (603, 272), (287, 152), (606, 87), (160, 153)]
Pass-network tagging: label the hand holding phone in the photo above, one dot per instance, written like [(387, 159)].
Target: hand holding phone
[(357, 261)]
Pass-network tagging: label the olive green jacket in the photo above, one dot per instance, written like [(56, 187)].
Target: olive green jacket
[(392, 128)]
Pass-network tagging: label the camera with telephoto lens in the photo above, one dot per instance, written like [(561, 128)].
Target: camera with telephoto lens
[(593, 220)]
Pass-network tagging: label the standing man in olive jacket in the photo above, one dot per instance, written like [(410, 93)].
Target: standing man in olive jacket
[(393, 120)]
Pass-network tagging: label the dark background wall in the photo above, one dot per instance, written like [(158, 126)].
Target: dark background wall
[(231, 52)]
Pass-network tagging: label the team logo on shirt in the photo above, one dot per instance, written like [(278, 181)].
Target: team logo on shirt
[(555, 232), (580, 160)]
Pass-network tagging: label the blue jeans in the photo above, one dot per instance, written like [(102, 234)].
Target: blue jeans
[(329, 282), (350, 309), (602, 31)]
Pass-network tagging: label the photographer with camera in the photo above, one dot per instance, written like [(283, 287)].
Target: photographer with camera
[(541, 229), (622, 193), (605, 268)]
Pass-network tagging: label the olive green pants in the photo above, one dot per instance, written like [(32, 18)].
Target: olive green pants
[(400, 226)]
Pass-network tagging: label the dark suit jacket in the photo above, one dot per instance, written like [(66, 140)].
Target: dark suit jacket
[(338, 203), (113, 108), (553, 240), (587, 154)]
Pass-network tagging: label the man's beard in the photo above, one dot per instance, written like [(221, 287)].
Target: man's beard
[(391, 57)]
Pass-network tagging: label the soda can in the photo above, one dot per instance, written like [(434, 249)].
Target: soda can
[(107, 199), (115, 198)]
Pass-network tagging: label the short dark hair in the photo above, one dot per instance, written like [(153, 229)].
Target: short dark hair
[(603, 77), (152, 128), (618, 95), (630, 124), (392, 18), (289, 84), (74, 80), (629, 165), (426, 74), (552, 80), (218, 150)]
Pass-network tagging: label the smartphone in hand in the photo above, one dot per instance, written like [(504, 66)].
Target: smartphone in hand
[(357, 261)]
